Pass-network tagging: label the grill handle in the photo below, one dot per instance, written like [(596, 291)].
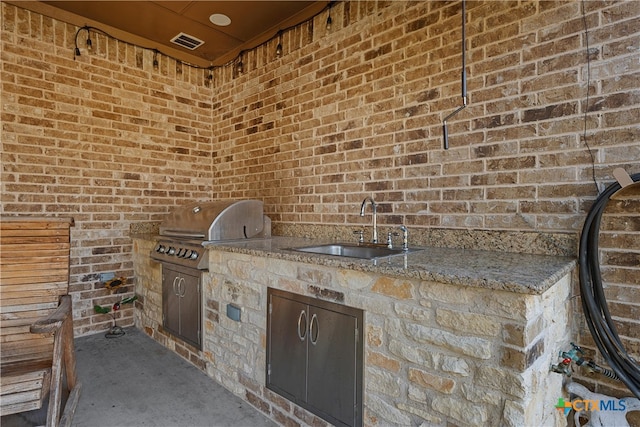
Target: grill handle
[(177, 233)]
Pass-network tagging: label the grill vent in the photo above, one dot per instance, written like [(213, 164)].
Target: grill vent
[(185, 40)]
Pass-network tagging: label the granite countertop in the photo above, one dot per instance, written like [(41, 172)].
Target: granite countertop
[(521, 273)]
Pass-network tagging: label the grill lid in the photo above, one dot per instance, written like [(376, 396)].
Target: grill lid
[(216, 220)]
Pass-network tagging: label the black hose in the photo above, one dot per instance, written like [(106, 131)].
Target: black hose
[(594, 303)]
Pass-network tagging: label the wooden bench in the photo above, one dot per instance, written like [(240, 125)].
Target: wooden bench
[(36, 323)]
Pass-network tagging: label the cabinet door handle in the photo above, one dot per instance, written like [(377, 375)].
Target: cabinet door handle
[(175, 282), (181, 288), (302, 331), (311, 338)]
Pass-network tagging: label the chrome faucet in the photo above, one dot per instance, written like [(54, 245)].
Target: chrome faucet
[(405, 238), (374, 207)]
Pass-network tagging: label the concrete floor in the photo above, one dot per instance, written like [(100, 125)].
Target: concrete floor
[(134, 381)]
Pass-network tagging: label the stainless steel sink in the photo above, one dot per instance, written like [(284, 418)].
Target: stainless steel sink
[(350, 250)]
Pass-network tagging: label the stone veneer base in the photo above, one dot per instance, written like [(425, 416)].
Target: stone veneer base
[(434, 353)]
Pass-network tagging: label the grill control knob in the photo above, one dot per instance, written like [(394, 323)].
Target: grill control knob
[(160, 249), (193, 255), (171, 251), (181, 252)]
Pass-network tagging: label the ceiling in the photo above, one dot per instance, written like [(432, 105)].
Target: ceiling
[(153, 24)]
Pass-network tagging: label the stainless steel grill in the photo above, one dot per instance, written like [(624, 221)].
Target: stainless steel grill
[(187, 227)]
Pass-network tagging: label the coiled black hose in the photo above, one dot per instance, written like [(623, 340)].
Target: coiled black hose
[(594, 303)]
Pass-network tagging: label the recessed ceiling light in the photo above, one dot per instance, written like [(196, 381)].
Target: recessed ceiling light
[(220, 19)]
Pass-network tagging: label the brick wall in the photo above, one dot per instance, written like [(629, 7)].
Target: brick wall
[(359, 112), (344, 113)]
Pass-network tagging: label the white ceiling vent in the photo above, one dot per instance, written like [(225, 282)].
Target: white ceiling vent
[(185, 40)]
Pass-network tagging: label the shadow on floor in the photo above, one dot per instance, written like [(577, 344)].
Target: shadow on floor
[(134, 381)]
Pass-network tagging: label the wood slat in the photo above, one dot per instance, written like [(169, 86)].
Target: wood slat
[(29, 227), (12, 238), (21, 317), (25, 373), (22, 339), (34, 384), (14, 284), (26, 255), (20, 295), (18, 398), (26, 260), (16, 344), (42, 302), (16, 251), (7, 289), (10, 331), (20, 407), (55, 273), (36, 279), (13, 347), (33, 232), (12, 359), (34, 229), (37, 269), (17, 358), (32, 372), (35, 222), (40, 348)]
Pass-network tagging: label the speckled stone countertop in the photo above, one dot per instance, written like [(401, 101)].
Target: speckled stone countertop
[(521, 273)]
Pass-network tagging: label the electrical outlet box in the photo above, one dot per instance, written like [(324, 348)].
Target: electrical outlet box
[(233, 312), (104, 277)]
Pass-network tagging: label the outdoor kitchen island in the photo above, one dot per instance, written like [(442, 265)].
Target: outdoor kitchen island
[(450, 335)]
